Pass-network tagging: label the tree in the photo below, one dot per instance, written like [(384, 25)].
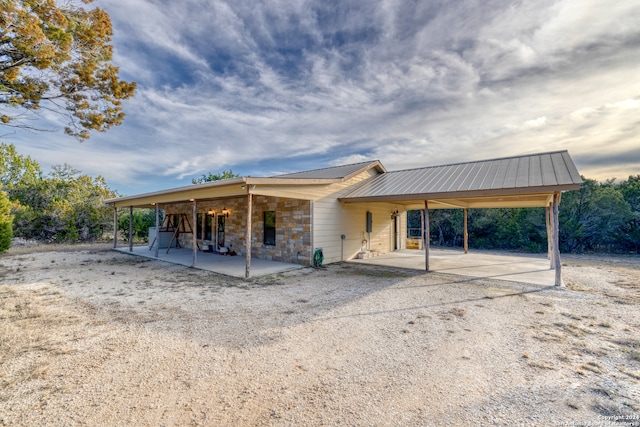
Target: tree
[(63, 206), (215, 177), (593, 217), (143, 220), (631, 231), (6, 222), (16, 170), (58, 57)]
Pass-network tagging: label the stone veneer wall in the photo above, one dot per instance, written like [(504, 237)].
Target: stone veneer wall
[(293, 230), (293, 226)]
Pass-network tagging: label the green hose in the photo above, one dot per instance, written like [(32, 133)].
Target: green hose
[(318, 257)]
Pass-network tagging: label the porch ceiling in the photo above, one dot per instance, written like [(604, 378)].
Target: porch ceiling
[(505, 200)]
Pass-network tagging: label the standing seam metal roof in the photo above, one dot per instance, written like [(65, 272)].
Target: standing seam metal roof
[(336, 172), (537, 170)]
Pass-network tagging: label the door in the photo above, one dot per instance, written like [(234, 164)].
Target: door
[(396, 232), (221, 219)]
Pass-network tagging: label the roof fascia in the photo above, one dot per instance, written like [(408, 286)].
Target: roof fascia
[(463, 194), (377, 165), (174, 194), (178, 190)]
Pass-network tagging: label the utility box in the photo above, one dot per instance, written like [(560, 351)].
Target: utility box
[(369, 222)]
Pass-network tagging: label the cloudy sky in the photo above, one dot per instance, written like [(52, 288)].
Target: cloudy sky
[(286, 85)]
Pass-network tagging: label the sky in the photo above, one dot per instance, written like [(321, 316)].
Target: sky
[(270, 87)]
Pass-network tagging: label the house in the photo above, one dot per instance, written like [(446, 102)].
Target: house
[(349, 210)]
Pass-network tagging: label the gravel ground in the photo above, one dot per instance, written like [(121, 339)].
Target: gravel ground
[(90, 336)]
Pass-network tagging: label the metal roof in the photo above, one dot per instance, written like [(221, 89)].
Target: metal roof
[(521, 181), (336, 172), (554, 171)]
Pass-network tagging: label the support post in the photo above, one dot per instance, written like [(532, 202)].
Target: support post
[(466, 232), (194, 235), (547, 217), (426, 235), (115, 227), (130, 228), (247, 239), (556, 240), (157, 229)]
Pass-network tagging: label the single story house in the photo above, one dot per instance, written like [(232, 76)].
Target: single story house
[(349, 210)]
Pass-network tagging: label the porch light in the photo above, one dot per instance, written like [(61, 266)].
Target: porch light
[(225, 212), (211, 212)]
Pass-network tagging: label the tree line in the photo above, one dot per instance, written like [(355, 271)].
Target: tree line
[(599, 217), (61, 206), (65, 205)]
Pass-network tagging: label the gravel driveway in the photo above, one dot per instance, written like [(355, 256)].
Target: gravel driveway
[(94, 337)]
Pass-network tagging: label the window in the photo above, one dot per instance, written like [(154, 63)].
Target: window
[(269, 228), (204, 226)]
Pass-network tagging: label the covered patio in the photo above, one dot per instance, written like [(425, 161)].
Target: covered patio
[(233, 266), (523, 268), (527, 181)]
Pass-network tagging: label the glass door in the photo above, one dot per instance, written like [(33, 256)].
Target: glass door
[(221, 219)]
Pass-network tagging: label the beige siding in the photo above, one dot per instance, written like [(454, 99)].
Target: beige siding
[(331, 219)]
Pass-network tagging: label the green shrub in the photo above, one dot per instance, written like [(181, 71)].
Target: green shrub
[(6, 222)]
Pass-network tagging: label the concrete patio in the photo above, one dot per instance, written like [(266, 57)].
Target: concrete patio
[(228, 265), (525, 268)]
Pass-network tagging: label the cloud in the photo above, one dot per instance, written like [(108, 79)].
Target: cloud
[(282, 86)]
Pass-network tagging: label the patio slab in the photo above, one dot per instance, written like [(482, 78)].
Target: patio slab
[(533, 269), (228, 265), (522, 268)]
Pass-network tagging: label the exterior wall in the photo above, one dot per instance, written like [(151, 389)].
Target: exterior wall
[(293, 226), (331, 219), (293, 230), (313, 218)]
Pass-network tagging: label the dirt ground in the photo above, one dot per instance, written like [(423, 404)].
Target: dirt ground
[(89, 336)]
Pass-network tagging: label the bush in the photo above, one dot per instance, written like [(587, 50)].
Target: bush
[(6, 222)]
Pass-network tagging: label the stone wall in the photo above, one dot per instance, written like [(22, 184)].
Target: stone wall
[(293, 226), (293, 230)]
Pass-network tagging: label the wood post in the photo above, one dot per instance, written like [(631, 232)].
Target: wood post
[(556, 240), (247, 239), (130, 228), (194, 235), (157, 229), (466, 232), (115, 227), (426, 235), (547, 218)]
